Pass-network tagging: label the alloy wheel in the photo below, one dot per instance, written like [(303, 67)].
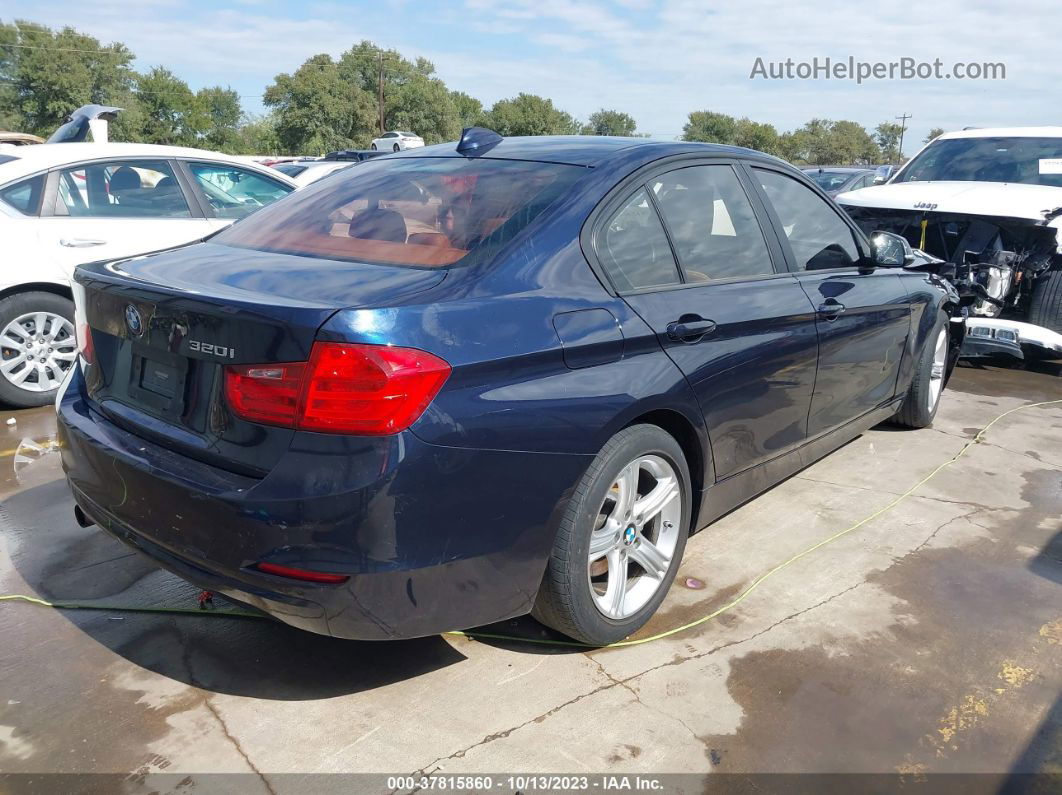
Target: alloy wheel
[(936, 373), (36, 351), (635, 536)]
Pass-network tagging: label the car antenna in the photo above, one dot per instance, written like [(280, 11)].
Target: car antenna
[(476, 141)]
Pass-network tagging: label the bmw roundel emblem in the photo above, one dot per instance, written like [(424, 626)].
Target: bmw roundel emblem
[(133, 321), (628, 536)]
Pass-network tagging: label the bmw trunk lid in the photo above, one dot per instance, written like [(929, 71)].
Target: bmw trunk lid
[(162, 328)]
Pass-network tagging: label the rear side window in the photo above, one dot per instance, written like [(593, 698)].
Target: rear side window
[(236, 192), (25, 196), (712, 224), (134, 189), (820, 240), (426, 212), (633, 247)]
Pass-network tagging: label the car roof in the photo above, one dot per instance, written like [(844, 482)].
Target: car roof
[(1005, 132), (584, 150), (836, 169), (31, 159)]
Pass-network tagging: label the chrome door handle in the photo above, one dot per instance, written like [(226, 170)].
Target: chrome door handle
[(831, 308), (690, 328), (80, 242)]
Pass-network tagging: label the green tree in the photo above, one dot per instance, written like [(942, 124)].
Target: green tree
[(316, 110), (424, 105), (257, 135), (220, 109), (529, 114), (413, 98), (469, 109), (171, 114), (936, 132), (756, 135), (823, 142), (852, 144), (709, 126), (610, 122), (888, 137), (52, 73)]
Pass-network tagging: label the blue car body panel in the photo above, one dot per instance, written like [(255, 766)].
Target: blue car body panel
[(449, 524)]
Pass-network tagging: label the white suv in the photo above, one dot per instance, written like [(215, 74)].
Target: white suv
[(989, 201), (64, 204)]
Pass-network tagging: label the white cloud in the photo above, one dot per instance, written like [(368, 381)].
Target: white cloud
[(655, 60)]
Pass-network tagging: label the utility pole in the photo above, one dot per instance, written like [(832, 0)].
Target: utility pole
[(903, 126), (380, 98)]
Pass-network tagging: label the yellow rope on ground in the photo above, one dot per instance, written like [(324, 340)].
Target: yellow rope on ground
[(571, 643)]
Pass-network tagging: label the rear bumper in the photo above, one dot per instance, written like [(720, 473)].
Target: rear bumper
[(433, 538)]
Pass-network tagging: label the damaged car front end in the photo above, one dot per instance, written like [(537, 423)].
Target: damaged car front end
[(997, 242)]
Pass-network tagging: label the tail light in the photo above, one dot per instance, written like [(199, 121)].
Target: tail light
[(82, 332), (372, 390)]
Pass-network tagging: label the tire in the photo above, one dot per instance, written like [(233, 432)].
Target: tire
[(373, 147), (1045, 308), (35, 383), (576, 594), (920, 405), (396, 148)]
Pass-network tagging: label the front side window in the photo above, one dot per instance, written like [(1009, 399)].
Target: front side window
[(712, 224), (818, 236), (24, 196), (130, 189), (425, 212), (633, 247), (236, 192)]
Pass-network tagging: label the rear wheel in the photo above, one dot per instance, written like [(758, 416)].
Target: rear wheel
[(923, 396), (620, 541), (1045, 309), (37, 347), (396, 148)]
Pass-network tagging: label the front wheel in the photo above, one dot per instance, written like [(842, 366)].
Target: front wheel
[(621, 540), (374, 148), (923, 396), (37, 347)]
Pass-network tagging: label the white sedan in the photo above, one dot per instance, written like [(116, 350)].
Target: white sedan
[(64, 204), (396, 141)]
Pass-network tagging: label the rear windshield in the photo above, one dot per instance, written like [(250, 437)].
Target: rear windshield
[(427, 212), (1034, 161)]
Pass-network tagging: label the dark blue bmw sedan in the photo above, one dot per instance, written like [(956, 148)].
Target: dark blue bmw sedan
[(461, 384)]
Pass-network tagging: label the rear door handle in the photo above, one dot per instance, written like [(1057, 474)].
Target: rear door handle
[(80, 242), (690, 328), (831, 308)]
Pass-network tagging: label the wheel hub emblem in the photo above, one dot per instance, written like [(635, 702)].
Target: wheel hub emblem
[(628, 536), (133, 321)]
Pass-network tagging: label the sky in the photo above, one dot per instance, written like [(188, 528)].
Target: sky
[(654, 59)]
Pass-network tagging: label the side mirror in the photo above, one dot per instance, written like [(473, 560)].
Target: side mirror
[(882, 174), (889, 250)]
